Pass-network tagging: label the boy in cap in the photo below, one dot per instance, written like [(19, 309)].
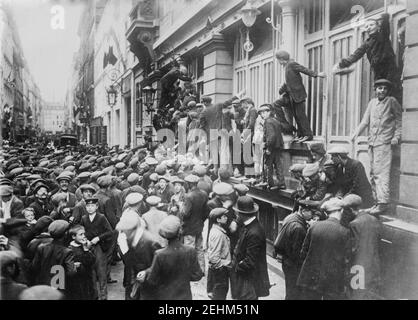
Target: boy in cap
[(383, 118), (82, 286), (273, 143), (219, 255), (295, 91), (101, 235), (164, 191), (177, 199), (138, 247), (173, 267)]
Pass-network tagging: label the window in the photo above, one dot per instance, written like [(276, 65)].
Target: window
[(314, 15), (340, 11)]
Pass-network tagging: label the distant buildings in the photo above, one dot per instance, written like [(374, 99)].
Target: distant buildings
[(20, 99), (53, 118)]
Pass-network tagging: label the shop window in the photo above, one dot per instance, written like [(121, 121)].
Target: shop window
[(340, 11), (314, 15)]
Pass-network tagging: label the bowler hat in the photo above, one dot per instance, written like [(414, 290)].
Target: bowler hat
[(246, 205)]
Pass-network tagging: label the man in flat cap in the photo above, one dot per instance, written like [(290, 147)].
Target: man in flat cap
[(350, 177), (107, 204), (273, 145), (366, 231), (51, 255), (194, 214), (164, 191), (219, 255), (42, 204), (288, 244), (249, 276), (138, 248), (151, 163), (64, 181), (82, 179), (87, 191), (295, 91), (134, 201), (177, 199), (153, 218), (133, 180), (174, 266), (10, 205), (383, 119), (102, 236), (326, 251)]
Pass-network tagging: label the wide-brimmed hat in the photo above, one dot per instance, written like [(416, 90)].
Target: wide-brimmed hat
[(246, 205)]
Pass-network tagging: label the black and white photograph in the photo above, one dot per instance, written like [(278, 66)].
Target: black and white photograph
[(213, 150)]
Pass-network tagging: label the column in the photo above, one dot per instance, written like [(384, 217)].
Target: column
[(218, 69), (289, 34), (407, 208)]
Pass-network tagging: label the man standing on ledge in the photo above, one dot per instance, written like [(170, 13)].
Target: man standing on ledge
[(383, 118), (294, 93)]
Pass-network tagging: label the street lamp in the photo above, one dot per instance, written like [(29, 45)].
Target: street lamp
[(111, 96), (249, 14), (148, 94)]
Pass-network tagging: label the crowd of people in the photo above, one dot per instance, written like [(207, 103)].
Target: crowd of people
[(67, 215)]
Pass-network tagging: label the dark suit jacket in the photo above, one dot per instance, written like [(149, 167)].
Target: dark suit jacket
[(354, 180), (140, 258), (99, 227), (293, 81), (172, 270), (249, 263), (366, 231), (41, 209), (195, 212), (108, 206), (326, 252), (16, 207), (272, 134)]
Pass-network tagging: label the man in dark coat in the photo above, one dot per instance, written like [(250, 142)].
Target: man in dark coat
[(295, 93), (10, 205), (273, 143), (289, 244), (168, 89), (326, 252), (107, 204), (42, 205), (9, 288), (138, 247), (249, 276), (173, 267), (350, 177), (194, 215), (379, 51), (51, 258), (366, 231)]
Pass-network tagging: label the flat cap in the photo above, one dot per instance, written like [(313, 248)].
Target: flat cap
[(105, 181), (85, 166), (16, 171), (384, 82), (224, 174), (128, 221), (223, 188), (133, 178), (161, 169), (88, 187), (58, 197), (96, 174), (6, 190), (338, 150), (165, 177), (199, 170), (241, 188), (5, 182), (176, 179), (64, 176), (217, 212), (58, 228), (169, 227), (317, 148), (153, 200), (192, 178), (151, 161), (154, 177), (120, 165), (333, 204), (84, 175), (109, 170), (352, 201), (92, 200), (134, 198)]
